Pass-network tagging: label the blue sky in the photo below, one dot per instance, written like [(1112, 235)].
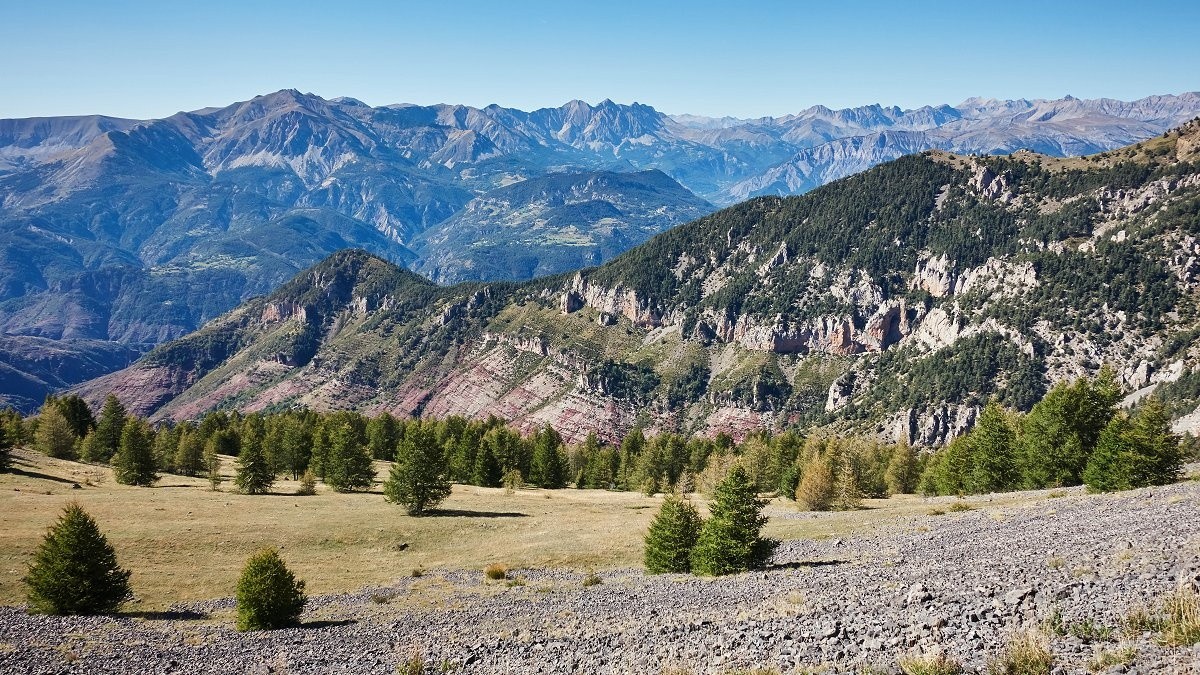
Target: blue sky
[(150, 59)]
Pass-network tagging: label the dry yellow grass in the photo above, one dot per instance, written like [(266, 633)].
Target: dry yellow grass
[(183, 541)]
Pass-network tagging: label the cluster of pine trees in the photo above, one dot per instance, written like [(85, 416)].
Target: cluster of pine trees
[(1075, 435)]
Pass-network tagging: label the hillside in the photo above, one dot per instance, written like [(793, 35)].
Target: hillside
[(553, 224), (137, 232), (894, 301)]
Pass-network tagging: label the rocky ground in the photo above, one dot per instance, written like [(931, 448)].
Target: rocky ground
[(962, 582)]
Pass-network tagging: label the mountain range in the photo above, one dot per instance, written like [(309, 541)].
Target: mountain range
[(895, 302), (117, 235)]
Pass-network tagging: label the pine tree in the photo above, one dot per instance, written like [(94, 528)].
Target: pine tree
[(6, 445), (1111, 466), (993, 452), (1159, 459), (816, 489), (549, 467), (383, 437), (729, 540), (295, 446), (487, 472), (631, 449), (902, 475), (269, 596), (54, 436), (254, 474), (77, 412), (1137, 451), (75, 569), (166, 446), (104, 442), (347, 465), (134, 463), (846, 494), (420, 478), (189, 453), (672, 536)]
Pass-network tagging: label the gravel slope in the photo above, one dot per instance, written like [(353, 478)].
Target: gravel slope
[(962, 582)]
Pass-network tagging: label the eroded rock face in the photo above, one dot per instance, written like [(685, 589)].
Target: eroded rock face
[(935, 426), (619, 301)]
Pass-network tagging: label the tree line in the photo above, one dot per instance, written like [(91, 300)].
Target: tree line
[(1074, 435)]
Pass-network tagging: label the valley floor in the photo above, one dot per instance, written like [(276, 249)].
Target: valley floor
[(846, 592)]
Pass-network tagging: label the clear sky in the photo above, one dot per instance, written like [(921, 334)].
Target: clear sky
[(142, 59)]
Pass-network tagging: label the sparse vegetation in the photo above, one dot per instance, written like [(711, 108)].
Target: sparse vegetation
[(936, 663), (1027, 653), (495, 572)]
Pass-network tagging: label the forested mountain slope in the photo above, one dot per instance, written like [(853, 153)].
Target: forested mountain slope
[(897, 300)]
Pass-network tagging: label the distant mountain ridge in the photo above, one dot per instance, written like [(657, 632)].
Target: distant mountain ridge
[(136, 232)]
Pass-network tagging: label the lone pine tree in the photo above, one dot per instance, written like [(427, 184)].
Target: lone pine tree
[(75, 569), (420, 478)]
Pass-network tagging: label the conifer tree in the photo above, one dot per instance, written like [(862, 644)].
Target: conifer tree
[(347, 464), (54, 436), (383, 437), (189, 453), (672, 536), (6, 445), (486, 472), (730, 540), (902, 471), (549, 467), (254, 474), (816, 489), (134, 463), (166, 447), (846, 494), (75, 569), (269, 596), (103, 443), (77, 412), (1159, 459), (420, 478), (295, 446), (1111, 466), (993, 452), (631, 449)]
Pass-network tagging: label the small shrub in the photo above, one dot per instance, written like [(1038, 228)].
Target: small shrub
[(959, 507), (382, 598), (1107, 658), (1090, 631), (1181, 610), (308, 484), (413, 664), (1056, 563), (592, 579), (1141, 620), (1054, 623), (929, 664), (268, 594), (936, 512), (495, 572), (418, 572), (1026, 654), (75, 569)]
